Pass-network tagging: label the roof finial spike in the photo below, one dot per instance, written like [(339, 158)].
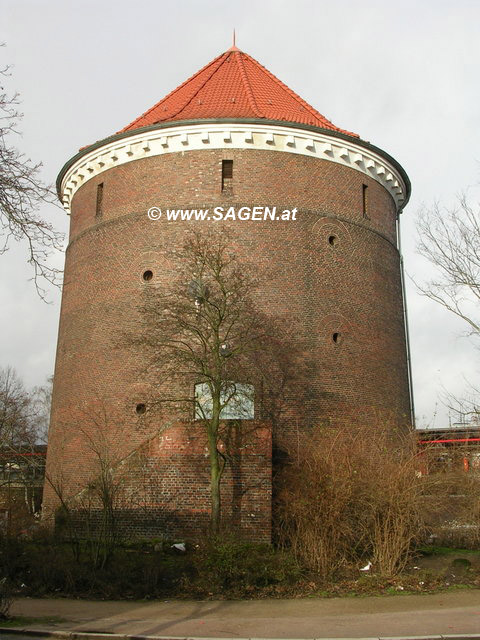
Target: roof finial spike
[(234, 46)]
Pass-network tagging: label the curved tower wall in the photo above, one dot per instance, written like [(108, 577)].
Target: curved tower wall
[(334, 271)]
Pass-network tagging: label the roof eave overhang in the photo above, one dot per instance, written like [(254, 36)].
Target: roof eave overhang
[(285, 123)]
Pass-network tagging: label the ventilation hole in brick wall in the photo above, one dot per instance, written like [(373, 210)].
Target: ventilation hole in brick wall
[(147, 275), (336, 337), (332, 240), (141, 408)]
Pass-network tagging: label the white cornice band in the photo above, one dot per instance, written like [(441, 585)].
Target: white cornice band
[(176, 139)]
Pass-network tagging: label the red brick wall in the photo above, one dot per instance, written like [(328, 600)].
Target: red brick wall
[(163, 489), (352, 288)]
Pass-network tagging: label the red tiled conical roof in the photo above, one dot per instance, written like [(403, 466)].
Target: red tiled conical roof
[(233, 85)]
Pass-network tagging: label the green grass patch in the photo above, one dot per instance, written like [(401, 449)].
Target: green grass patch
[(460, 587), (432, 550), (26, 621)]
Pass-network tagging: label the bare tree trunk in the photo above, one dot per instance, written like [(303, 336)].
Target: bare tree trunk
[(215, 467)]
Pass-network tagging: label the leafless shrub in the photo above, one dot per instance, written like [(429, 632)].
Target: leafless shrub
[(354, 495), (452, 502), (5, 598), (89, 511)]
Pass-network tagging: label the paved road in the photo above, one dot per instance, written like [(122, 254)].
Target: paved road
[(456, 612)]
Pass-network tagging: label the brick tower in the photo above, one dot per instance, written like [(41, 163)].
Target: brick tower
[(232, 135)]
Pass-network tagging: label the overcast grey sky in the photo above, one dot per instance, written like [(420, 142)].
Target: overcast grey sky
[(405, 76)]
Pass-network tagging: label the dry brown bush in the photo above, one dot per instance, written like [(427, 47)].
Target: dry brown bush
[(354, 495), (452, 501), (5, 598)]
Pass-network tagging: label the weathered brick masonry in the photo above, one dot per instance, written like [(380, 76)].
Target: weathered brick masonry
[(333, 273)]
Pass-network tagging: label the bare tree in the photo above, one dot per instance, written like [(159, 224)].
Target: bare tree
[(102, 496), (41, 397), (206, 334), (17, 418), (21, 194), (450, 240), (90, 510), (21, 462)]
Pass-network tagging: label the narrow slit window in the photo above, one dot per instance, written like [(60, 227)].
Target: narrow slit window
[(365, 201), (227, 175), (99, 207)]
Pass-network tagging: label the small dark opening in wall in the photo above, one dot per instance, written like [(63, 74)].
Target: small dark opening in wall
[(99, 206), (147, 275), (227, 175), (141, 408), (365, 201), (280, 456), (332, 240), (336, 337)]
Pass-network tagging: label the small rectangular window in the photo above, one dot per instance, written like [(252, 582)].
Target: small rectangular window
[(365, 201), (238, 400), (227, 175), (99, 208)]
